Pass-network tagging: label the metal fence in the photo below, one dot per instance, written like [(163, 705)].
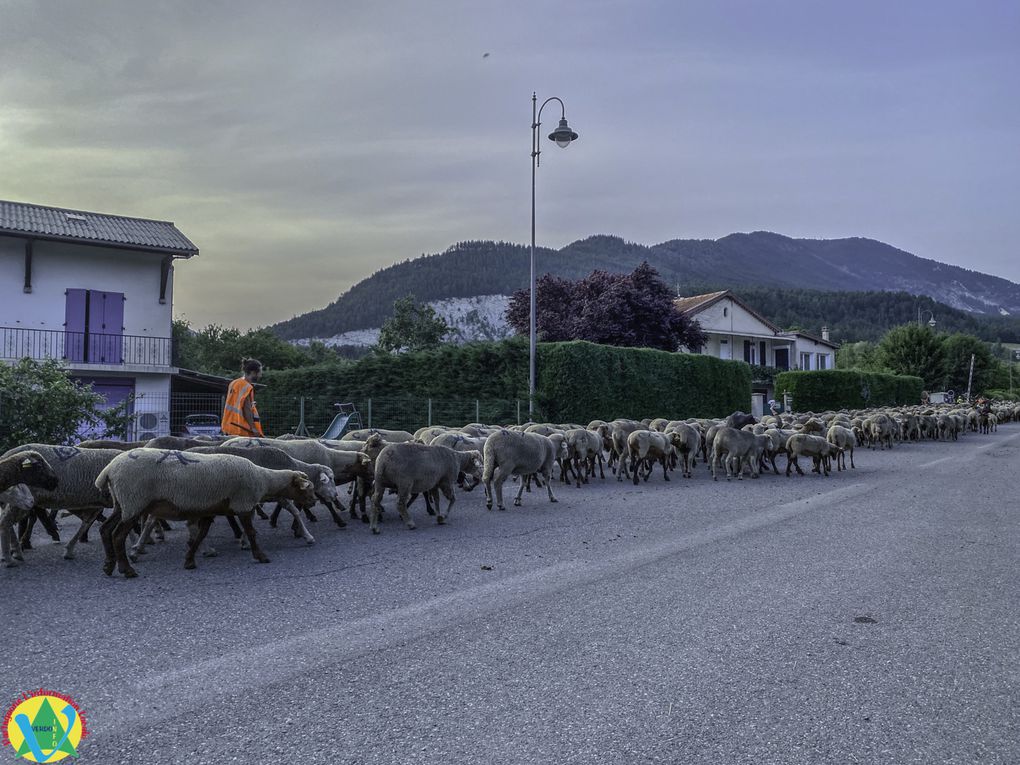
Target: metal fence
[(85, 347), (161, 414)]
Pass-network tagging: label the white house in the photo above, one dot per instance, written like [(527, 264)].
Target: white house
[(737, 331), (94, 291)]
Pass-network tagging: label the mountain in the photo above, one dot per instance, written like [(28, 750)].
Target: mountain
[(759, 259)]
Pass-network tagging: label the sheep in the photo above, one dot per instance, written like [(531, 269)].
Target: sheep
[(521, 454), (321, 476), (459, 442), (584, 448), (619, 432), (543, 429), (805, 444), (844, 441), (347, 466), (76, 471), (737, 445), (425, 435), (646, 447), (390, 436), (882, 430), (180, 443), (777, 445), (687, 445), (411, 468), (109, 443), (738, 420), (15, 503), (192, 487)]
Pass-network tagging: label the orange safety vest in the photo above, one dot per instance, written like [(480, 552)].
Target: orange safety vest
[(233, 423)]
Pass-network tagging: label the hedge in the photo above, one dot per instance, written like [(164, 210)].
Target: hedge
[(576, 382), (848, 389)]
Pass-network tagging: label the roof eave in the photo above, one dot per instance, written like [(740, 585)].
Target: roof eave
[(176, 252)]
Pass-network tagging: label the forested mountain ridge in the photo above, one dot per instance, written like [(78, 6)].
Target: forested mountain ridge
[(759, 259)]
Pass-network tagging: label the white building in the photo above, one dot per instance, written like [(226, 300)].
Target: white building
[(94, 291), (736, 331)]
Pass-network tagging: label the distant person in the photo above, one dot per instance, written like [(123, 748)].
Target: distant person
[(240, 415), (925, 398), (775, 407)]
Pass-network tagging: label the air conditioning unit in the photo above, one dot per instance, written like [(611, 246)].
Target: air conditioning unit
[(149, 425)]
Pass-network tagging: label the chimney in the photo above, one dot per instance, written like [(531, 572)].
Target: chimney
[(825, 333)]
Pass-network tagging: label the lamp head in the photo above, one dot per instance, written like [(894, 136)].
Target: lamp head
[(563, 135), (931, 322)]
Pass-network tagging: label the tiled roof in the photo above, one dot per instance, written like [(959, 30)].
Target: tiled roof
[(698, 303), (93, 228), (809, 336)]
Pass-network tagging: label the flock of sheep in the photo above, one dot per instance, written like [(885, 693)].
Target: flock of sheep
[(146, 485)]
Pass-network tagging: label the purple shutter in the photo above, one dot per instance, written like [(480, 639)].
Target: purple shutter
[(74, 325), (114, 392), (106, 327)]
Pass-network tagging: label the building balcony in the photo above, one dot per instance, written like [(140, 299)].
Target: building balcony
[(88, 350)]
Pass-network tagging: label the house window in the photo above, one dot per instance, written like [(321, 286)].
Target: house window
[(725, 312), (805, 361), (822, 361), (748, 351), (762, 356), (782, 358)]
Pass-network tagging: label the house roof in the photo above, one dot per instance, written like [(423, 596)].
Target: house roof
[(809, 336), (80, 226), (698, 303)]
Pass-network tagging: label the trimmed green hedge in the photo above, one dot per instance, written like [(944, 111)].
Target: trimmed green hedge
[(848, 389), (576, 382), (579, 382)]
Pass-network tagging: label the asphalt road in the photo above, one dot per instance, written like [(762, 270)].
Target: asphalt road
[(868, 617)]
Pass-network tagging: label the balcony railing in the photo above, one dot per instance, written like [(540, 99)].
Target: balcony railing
[(85, 348)]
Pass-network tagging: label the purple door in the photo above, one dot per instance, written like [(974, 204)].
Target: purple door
[(75, 306), (106, 327)]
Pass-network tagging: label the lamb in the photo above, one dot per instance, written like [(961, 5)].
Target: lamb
[(177, 485), (844, 441), (521, 454), (411, 468), (737, 445), (76, 471), (805, 444), (15, 503)]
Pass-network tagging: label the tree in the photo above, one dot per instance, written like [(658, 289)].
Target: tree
[(861, 355), (219, 350), (631, 310), (913, 349), (957, 350), (39, 403), (412, 327)]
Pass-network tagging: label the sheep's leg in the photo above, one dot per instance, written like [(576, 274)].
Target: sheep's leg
[(548, 488), (852, 459), (238, 535), (520, 491), (26, 526), (337, 518), (487, 486), (665, 475), (274, 516), (8, 539), (197, 531), (377, 496), (87, 519), (500, 479), (402, 509), (300, 529), (47, 519), (106, 535), (261, 512), (447, 489), (139, 546), (120, 535), (249, 531)]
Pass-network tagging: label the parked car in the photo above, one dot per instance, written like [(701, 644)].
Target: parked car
[(202, 425)]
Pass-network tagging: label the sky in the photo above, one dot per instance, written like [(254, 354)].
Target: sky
[(304, 145)]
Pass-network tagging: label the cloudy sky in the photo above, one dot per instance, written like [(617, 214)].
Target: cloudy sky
[(304, 145)]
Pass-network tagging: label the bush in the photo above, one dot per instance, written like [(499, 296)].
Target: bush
[(576, 381), (848, 389), (39, 403), (1002, 395)]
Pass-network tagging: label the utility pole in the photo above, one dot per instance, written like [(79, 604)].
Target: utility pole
[(970, 377)]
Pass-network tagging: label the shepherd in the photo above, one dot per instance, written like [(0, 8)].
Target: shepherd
[(240, 415)]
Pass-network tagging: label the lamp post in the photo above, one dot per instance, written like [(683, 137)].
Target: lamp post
[(563, 136), (931, 320)]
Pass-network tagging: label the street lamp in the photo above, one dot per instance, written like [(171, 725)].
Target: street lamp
[(563, 136), (931, 320)]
